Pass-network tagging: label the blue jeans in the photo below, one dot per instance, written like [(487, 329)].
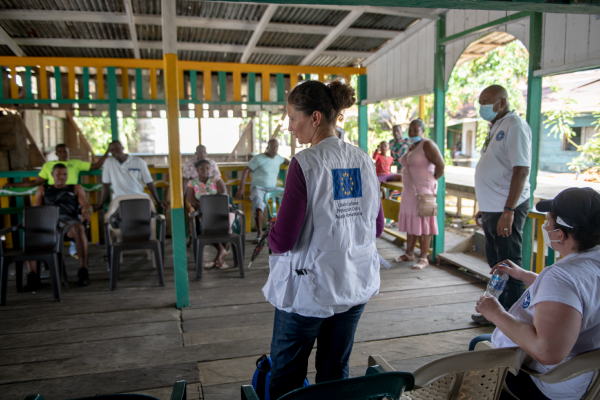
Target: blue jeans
[(293, 340)]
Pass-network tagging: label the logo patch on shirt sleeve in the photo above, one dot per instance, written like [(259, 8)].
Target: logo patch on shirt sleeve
[(347, 183), (500, 136), (527, 300)]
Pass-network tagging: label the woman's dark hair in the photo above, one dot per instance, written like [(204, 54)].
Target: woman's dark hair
[(584, 240), (419, 122), (199, 163), (330, 100)]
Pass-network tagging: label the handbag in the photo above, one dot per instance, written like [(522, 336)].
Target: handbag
[(427, 203), (262, 378)]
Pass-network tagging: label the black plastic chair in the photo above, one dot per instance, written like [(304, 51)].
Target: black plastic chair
[(376, 384), (178, 393), (43, 240), (135, 218), (214, 228)]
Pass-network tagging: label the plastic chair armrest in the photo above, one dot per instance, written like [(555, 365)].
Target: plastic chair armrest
[(179, 392), (114, 218), (12, 228), (248, 393), (197, 213), (159, 217), (34, 397), (163, 225), (107, 233), (377, 360)]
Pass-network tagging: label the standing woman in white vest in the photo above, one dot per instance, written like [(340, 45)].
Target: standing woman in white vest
[(326, 265)]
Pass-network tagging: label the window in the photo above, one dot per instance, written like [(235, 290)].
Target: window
[(576, 138)]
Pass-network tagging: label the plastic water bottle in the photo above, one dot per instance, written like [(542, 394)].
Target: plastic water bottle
[(497, 283)]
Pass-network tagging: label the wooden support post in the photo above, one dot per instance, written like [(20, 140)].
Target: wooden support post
[(100, 83), (85, 81), (153, 83), (237, 86), (27, 84), (125, 83), (280, 88), (113, 106), (534, 119), (266, 86), (251, 87), (422, 108), (169, 28), (363, 115), (222, 85), (139, 84), (71, 82), (2, 86), (181, 83), (14, 88), (58, 83), (43, 86), (94, 223), (293, 81), (207, 75), (439, 92)]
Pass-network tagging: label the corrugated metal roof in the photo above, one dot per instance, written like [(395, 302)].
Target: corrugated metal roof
[(46, 51), (215, 36), (274, 59), (65, 30), (63, 5), (357, 43), (149, 32), (205, 9), (151, 54), (308, 16), (5, 51), (209, 56), (332, 61), (290, 40), (380, 21)]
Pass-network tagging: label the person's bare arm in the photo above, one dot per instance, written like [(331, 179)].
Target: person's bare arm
[(549, 340), (286, 162), (517, 183), (154, 193), (86, 208), (239, 195), (39, 196), (433, 154), (221, 188), (518, 273), (189, 192), (98, 164), (103, 194), (38, 181)]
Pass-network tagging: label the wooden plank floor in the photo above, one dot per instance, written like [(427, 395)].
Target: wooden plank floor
[(135, 340)]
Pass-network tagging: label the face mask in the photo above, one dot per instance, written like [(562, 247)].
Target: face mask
[(546, 236), (415, 139), (487, 111)]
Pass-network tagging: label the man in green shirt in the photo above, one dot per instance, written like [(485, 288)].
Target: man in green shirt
[(73, 168)]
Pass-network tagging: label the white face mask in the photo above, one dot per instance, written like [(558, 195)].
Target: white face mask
[(546, 236)]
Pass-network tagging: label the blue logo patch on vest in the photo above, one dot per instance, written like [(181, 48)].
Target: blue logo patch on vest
[(347, 183), (527, 300), (500, 136)]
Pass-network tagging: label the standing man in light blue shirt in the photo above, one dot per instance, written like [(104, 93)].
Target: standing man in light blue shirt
[(265, 170)]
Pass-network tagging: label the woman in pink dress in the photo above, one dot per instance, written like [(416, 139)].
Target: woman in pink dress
[(425, 164)]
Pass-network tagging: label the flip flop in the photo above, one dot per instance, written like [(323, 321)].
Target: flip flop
[(222, 266), (404, 258), (209, 265), (419, 265)]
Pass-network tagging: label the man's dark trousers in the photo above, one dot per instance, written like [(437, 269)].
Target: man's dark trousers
[(499, 248), (293, 340)]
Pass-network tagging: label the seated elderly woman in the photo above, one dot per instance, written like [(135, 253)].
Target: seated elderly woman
[(558, 316), (208, 184)]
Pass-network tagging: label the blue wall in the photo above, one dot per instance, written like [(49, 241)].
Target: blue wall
[(552, 157)]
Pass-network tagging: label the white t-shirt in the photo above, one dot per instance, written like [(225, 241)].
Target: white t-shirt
[(131, 177), (509, 147), (574, 281)]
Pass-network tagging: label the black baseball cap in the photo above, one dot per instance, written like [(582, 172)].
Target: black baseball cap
[(575, 207)]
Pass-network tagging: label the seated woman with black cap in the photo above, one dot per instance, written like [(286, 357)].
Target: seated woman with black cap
[(558, 316)]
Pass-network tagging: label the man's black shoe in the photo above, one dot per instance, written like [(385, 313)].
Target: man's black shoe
[(33, 282), (481, 320), (84, 277)]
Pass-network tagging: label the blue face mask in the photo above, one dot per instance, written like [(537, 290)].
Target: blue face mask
[(415, 139), (487, 111)]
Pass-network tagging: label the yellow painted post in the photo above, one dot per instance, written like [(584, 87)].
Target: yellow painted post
[(100, 83), (207, 75), (422, 107), (266, 86), (293, 80), (153, 83), (541, 247), (71, 79), (14, 88), (125, 82), (321, 77), (237, 86), (348, 79), (94, 223), (43, 83)]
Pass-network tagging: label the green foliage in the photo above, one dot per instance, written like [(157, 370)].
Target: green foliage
[(560, 121), (96, 130), (448, 157), (589, 153)]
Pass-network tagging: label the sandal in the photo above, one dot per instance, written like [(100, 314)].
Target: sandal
[(404, 258), (422, 263), (222, 266), (209, 264)]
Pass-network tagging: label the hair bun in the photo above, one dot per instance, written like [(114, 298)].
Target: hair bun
[(342, 94)]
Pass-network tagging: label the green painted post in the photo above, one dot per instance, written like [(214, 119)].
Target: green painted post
[(307, 77), (28, 92), (439, 130), (534, 119), (86, 83), (363, 115), (58, 83), (113, 105), (180, 257), (280, 88), (193, 76), (1, 83), (139, 84), (222, 86), (251, 87)]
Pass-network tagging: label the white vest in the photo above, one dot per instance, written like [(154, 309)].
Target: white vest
[(334, 264)]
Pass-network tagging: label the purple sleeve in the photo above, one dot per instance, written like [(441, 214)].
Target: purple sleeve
[(380, 222), (290, 215)]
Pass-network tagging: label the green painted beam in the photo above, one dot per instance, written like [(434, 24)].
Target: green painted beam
[(182, 286), (439, 130), (307, 77), (113, 105), (193, 76), (280, 88), (491, 24), (2, 72), (139, 85), (251, 87), (86, 83), (363, 115), (58, 81), (50, 101), (534, 119), (222, 85), (28, 92)]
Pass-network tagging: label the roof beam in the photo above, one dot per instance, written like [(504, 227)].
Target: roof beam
[(132, 29), (7, 40), (398, 11), (334, 34), (79, 16), (264, 21)]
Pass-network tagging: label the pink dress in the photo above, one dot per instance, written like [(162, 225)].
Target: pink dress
[(422, 171)]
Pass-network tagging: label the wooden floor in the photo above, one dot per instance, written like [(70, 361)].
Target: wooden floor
[(135, 340)]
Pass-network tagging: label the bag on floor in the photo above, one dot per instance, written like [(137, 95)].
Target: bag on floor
[(262, 378)]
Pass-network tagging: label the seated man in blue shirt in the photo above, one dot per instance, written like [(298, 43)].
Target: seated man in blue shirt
[(265, 170)]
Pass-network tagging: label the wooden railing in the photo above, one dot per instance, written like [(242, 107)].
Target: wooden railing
[(541, 259)]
